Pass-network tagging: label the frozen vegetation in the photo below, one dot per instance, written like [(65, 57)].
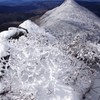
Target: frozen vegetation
[(58, 59)]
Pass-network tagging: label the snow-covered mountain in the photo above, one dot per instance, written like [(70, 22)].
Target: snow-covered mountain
[(57, 59), (71, 19), (76, 29), (78, 33)]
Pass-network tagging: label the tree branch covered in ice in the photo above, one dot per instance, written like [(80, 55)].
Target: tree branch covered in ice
[(85, 51)]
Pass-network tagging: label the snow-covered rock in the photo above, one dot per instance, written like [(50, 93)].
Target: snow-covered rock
[(11, 32), (7, 34)]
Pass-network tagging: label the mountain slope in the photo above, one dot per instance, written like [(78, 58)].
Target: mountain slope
[(75, 28), (78, 32), (70, 19)]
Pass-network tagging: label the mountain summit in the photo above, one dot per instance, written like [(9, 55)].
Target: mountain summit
[(70, 21), (78, 31), (69, 1)]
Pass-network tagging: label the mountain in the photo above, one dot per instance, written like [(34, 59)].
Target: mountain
[(77, 30), (57, 59), (71, 20), (20, 12), (73, 24)]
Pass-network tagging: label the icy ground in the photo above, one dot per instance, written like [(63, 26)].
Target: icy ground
[(39, 69), (57, 61)]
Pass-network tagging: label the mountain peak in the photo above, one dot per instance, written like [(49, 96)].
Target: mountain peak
[(69, 1)]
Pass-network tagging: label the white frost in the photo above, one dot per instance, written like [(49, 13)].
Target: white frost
[(10, 32), (3, 48), (39, 67)]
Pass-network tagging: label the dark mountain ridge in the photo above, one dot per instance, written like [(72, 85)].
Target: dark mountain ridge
[(47, 5)]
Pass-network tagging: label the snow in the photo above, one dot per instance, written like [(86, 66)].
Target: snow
[(7, 34), (17, 29), (43, 62), (3, 48), (41, 69), (71, 20), (4, 36), (10, 32), (31, 27), (77, 31)]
